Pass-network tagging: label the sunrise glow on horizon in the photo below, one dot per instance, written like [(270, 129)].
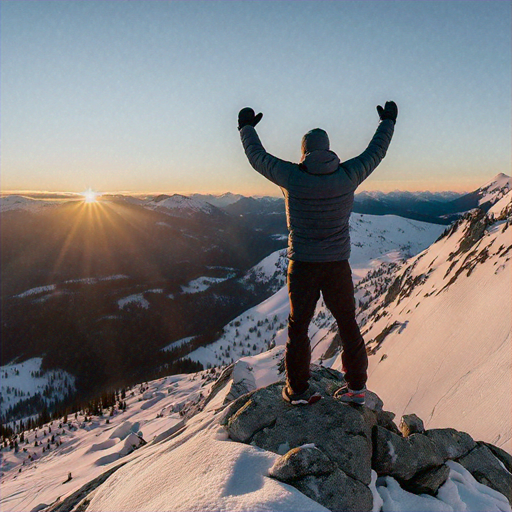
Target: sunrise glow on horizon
[(142, 97)]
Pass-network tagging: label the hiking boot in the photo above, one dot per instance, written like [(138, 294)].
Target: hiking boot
[(308, 397), (351, 396)]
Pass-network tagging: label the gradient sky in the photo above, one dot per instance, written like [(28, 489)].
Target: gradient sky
[(144, 95)]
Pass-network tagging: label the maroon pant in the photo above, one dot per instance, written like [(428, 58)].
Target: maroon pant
[(305, 282)]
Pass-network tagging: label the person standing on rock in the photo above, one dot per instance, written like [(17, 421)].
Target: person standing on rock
[(319, 195)]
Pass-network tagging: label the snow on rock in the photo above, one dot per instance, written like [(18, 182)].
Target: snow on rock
[(461, 492), (137, 298), (495, 189)]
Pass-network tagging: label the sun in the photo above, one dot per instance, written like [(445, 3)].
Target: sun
[(90, 196)]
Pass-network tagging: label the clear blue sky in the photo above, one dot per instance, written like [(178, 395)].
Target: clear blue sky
[(144, 95)]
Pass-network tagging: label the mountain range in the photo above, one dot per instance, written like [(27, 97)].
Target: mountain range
[(434, 305)]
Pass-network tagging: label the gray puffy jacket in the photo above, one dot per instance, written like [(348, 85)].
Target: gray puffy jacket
[(319, 192)]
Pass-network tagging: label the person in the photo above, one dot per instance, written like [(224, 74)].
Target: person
[(319, 195)]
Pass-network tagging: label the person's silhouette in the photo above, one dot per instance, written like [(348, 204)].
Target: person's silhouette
[(319, 195)]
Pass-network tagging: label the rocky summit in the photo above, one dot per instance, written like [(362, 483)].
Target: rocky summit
[(328, 449)]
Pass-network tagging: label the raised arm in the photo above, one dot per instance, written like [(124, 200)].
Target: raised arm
[(360, 167), (274, 169)]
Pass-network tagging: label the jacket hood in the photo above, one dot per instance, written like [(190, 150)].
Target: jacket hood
[(322, 161), (314, 140)]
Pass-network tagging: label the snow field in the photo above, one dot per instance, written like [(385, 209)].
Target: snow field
[(196, 468), (450, 362), (203, 283), (137, 298), (20, 381), (87, 449)]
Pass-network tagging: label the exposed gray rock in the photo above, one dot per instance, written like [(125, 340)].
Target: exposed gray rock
[(411, 424), (300, 462), (451, 443), (403, 457), (373, 402), (327, 379), (487, 470), (341, 431), (337, 492), (385, 419), (329, 448), (258, 410), (500, 454), (428, 481)]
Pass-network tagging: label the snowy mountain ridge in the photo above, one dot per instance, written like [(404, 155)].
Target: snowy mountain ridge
[(495, 189), (179, 205), (17, 202), (437, 326)]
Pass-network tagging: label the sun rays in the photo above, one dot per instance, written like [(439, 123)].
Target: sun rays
[(102, 234), (90, 196)]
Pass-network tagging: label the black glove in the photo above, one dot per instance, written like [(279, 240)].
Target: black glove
[(390, 111), (246, 117)]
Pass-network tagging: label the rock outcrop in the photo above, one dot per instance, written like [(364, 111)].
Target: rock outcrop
[(328, 450)]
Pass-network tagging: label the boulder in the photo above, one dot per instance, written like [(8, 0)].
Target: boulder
[(341, 431), (329, 448), (303, 461), (373, 402), (402, 457), (451, 443), (253, 412), (502, 455), (385, 419), (337, 492), (487, 470), (428, 481), (411, 424)]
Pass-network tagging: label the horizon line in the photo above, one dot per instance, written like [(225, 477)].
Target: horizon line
[(71, 195)]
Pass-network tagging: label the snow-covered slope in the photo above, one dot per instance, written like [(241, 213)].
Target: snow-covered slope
[(17, 202), (495, 189), (374, 239), (179, 205), (22, 382), (441, 334), (377, 238), (168, 452), (271, 269)]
